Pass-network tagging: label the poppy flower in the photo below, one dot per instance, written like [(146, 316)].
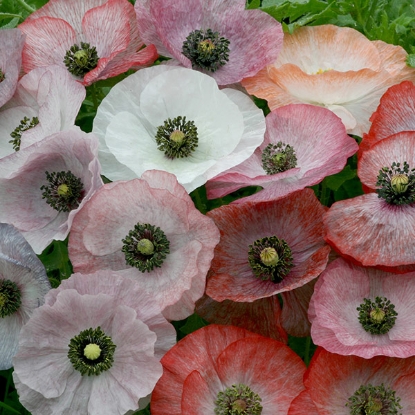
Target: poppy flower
[(262, 316), (23, 285), (394, 114), (211, 36), (47, 100), (43, 186), (11, 46), (345, 385), (376, 229), (148, 230), (334, 67), (94, 347), (267, 247), (225, 369), (93, 40), (371, 315), (302, 145), (175, 119)]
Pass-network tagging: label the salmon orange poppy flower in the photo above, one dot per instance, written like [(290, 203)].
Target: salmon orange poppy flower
[(334, 67)]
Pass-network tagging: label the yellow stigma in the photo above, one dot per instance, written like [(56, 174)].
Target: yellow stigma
[(377, 315), (399, 183), (81, 57), (269, 257), (374, 406), (177, 136), (63, 190), (206, 46), (279, 157), (92, 351), (145, 247), (239, 406)]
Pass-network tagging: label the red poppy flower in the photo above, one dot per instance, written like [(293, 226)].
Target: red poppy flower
[(267, 247), (345, 385), (220, 368), (262, 316), (378, 229), (395, 113)]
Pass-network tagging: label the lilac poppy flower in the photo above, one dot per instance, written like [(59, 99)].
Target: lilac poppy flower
[(43, 186), (11, 46), (212, 36), (23, 285)]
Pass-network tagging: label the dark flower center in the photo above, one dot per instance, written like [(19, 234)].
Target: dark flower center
[(374, 400), (206, 49), (238, 400), (10, 298), (396, 184), (91, 352), (270, 259), (25, 124), (2, 76), (81, 60), (64, 192), (145, 247), (177, 137), (377, 317), (277, 158)]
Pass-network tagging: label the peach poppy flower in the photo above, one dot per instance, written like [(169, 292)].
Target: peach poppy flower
[(334, 67)]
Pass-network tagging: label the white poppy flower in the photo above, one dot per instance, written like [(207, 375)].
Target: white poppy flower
[(176, 120)]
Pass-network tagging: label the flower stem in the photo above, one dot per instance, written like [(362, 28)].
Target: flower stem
[(26, 6)]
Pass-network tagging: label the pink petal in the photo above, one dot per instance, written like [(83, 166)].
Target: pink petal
[(47, 40)]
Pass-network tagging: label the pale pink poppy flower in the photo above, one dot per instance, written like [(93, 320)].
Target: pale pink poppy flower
[(148, 230), (11, 46), (93, 39), (43, 186), (303, 144), (213, 36), (334, 67), (46, 101), (23, 285), (345, 385), (377, 229), (94, 347), (219, 368), (371, 314)]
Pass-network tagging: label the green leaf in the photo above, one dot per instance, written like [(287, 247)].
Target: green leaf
[(8, 408), (254, 4), (193, 323), (55, 258), (410, 60), (9, 15), (336, 180), (12, 24)]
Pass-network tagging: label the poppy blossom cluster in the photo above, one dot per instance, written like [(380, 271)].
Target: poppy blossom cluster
[(258, 251)]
